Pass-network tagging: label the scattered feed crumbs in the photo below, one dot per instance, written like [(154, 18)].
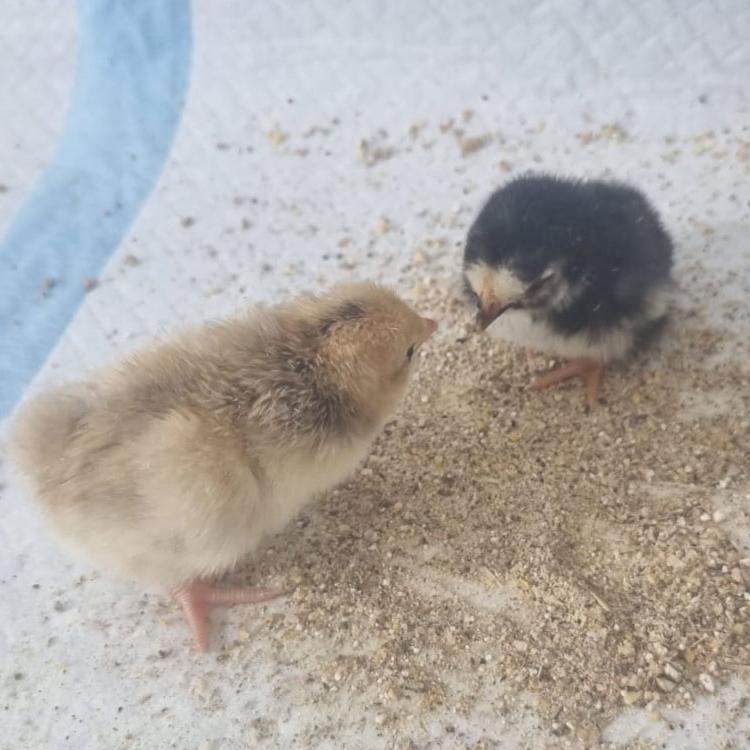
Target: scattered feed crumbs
[(470, 146), (376, 149), (503, 540), (610, 132), (276, 136)]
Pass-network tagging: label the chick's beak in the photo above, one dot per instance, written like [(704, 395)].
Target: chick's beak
[(430, 326)]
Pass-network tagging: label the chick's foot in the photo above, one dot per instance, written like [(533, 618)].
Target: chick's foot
[(198, 598), (590, 372)]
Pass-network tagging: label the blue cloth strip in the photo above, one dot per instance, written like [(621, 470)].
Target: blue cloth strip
[(130, 87)]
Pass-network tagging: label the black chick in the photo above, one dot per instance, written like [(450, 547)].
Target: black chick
[(582, 270)]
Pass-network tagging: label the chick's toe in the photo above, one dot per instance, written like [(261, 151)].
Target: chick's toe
[(198, 598), (589, 372)]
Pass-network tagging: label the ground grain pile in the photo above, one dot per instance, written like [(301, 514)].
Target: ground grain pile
[(502, 541)]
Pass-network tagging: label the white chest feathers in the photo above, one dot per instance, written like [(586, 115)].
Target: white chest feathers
[(517, 327), (300, 477)]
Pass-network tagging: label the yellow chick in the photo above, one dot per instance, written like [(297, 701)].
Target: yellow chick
[(172, 465)]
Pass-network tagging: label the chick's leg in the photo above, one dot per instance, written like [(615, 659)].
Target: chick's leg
[(198, 598), (590, 372)]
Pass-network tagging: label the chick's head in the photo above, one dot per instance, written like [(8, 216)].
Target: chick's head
[(526, 248), (530, 283), (369, 343)]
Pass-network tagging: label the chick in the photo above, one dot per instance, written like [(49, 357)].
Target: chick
[(172, 465), (579, 270)]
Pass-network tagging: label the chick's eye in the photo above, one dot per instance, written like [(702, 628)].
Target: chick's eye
[(410, 352)]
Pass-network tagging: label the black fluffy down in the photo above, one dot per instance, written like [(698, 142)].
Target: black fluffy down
[(609, 242)]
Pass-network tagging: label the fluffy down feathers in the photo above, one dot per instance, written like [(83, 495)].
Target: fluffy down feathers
[(173, 464), (582, 267)]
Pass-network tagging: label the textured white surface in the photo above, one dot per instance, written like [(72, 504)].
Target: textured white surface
[(37, 60), (545, 79)]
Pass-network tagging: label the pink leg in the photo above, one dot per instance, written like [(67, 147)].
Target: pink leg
[(590, 372), (198, 598)]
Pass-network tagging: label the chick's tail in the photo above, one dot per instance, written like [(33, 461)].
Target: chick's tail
[(43, 428)]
